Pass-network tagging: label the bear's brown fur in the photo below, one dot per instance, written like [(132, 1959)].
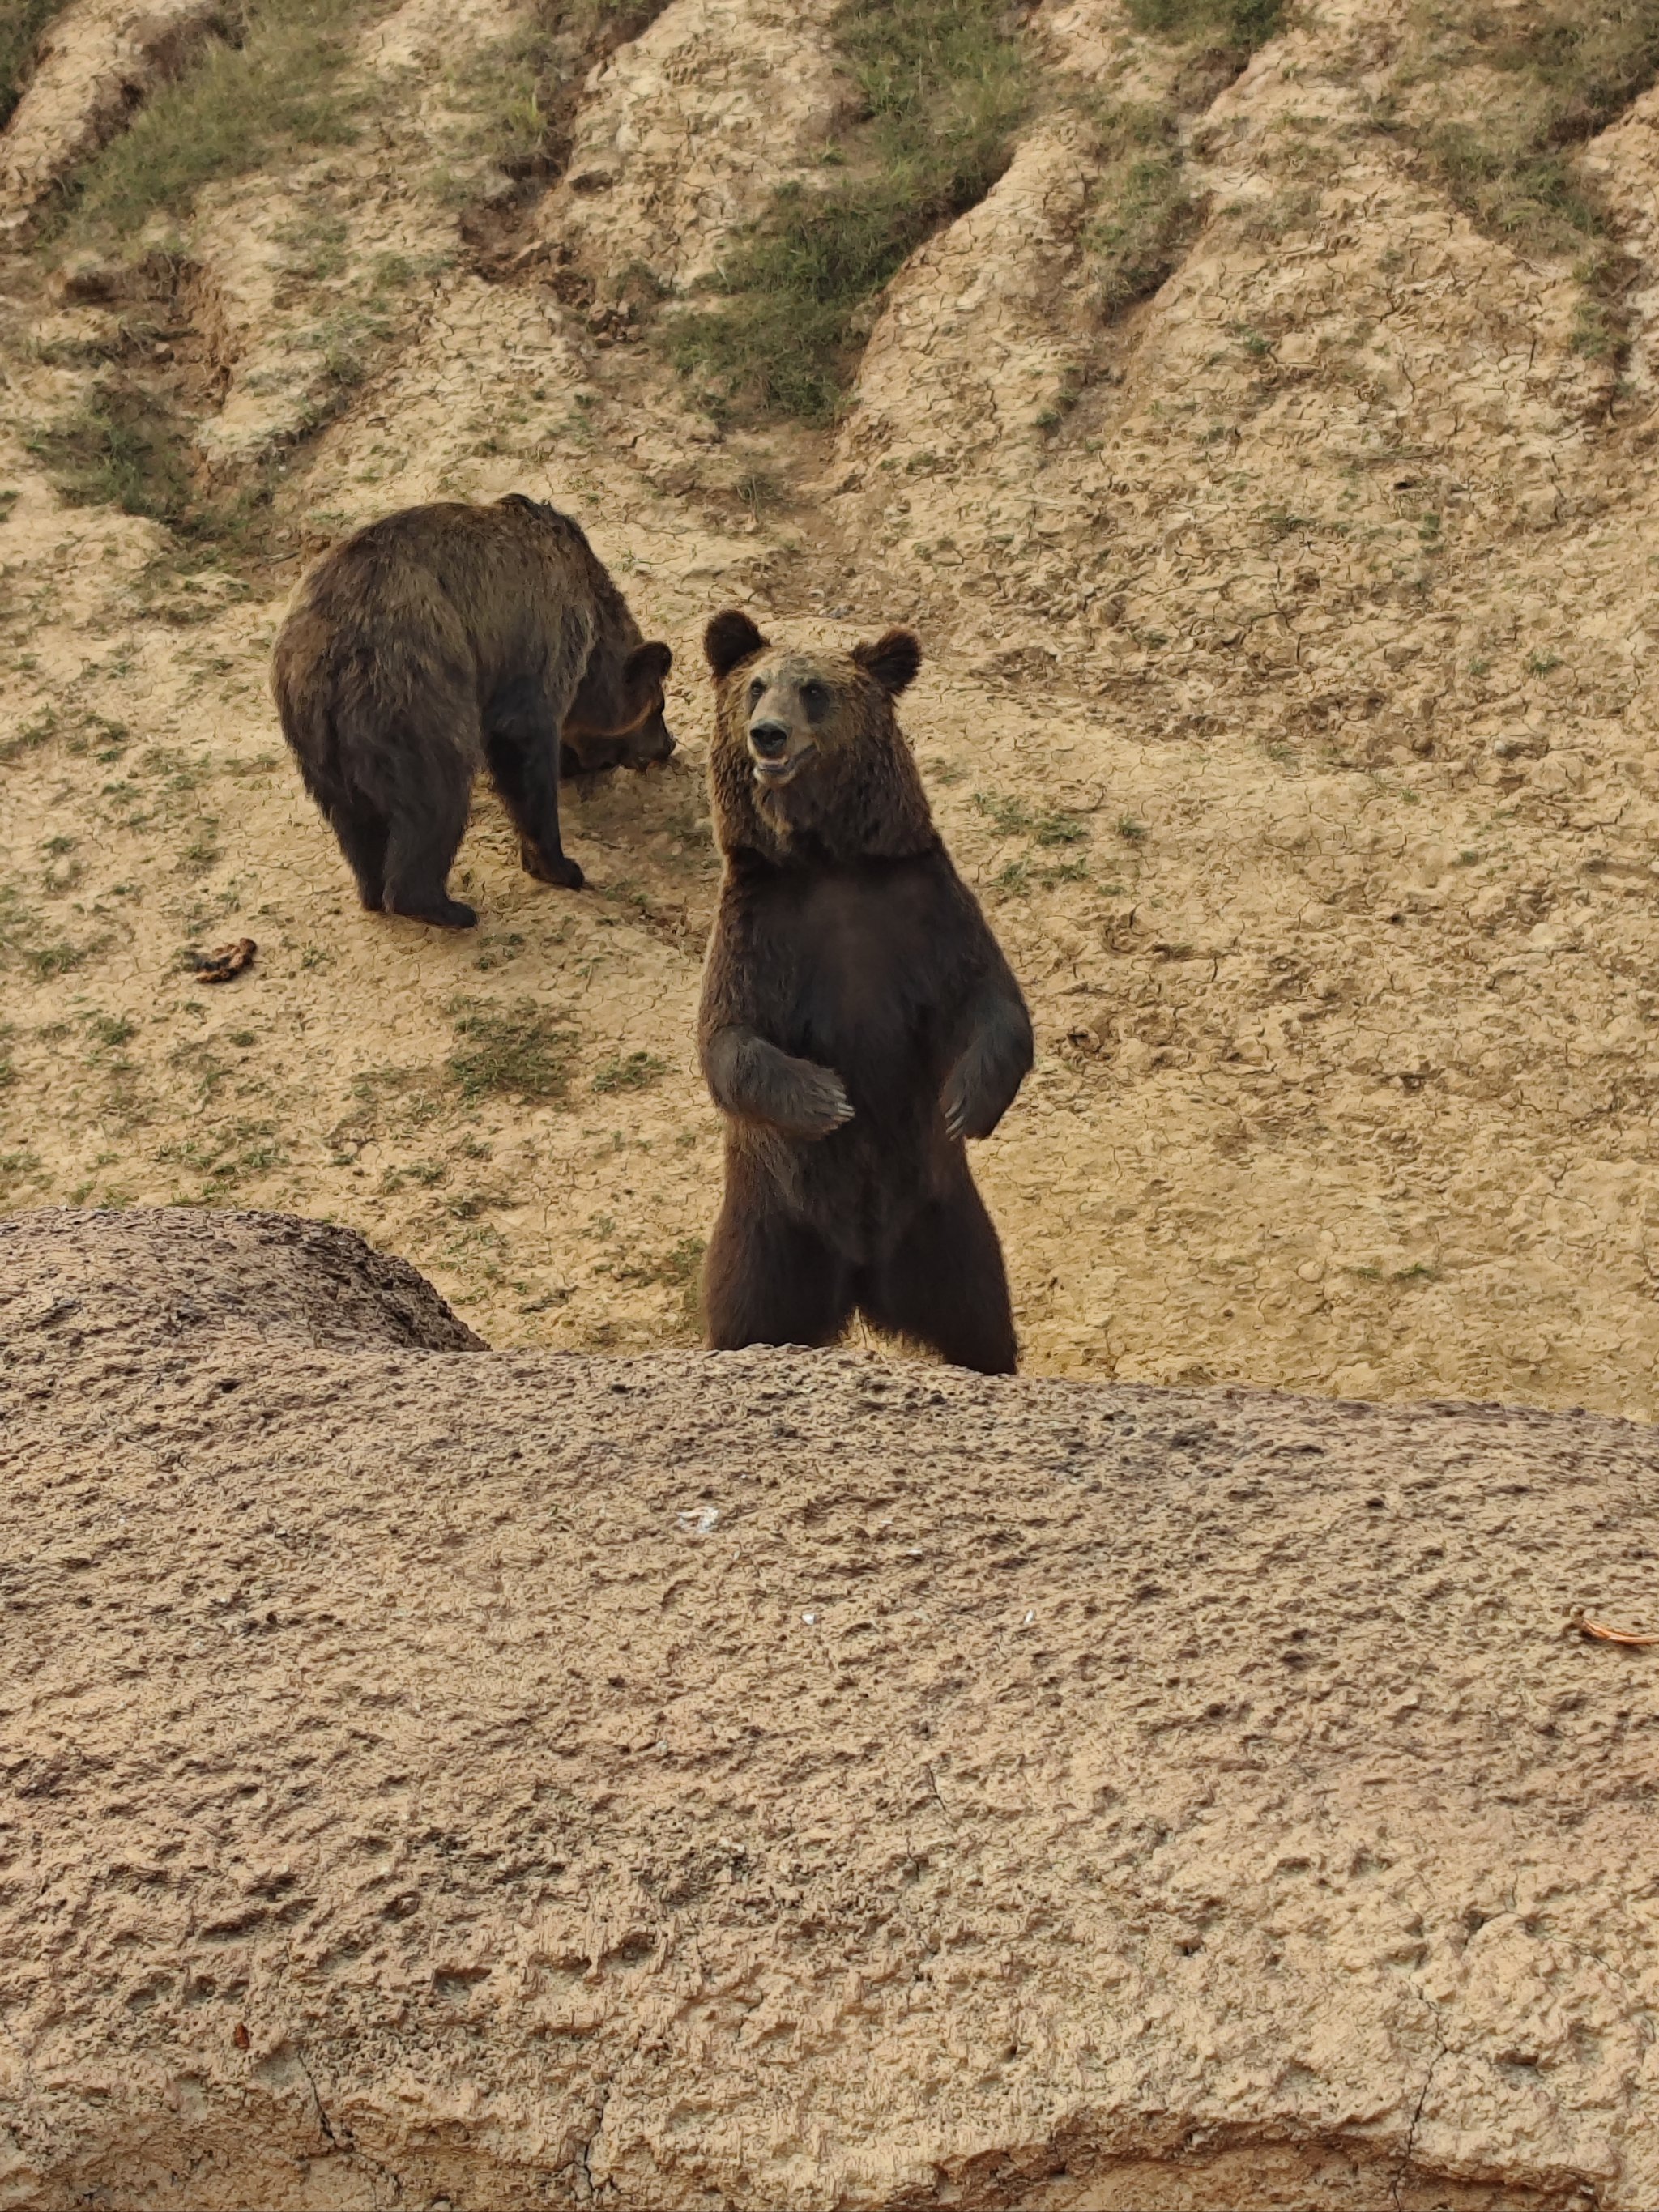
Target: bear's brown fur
[(444, 638), (858, 1020)]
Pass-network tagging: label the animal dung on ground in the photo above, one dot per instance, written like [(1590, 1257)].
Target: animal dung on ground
[(446, 638), (227, 961), (858, 1020)]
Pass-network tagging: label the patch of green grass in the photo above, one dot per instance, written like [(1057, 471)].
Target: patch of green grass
[(274, 87), (1241, 25), (425, 1174), (1512, 93), (1048, 825), (121, 446), (638, 1071), (515, 1050), (118, 448), (942, 86), (224, 1156), (1144, 216), (200, 854), (34, 733), (17, 1168), (533, 85), (46, 961), (678, 1269), (21, 22)]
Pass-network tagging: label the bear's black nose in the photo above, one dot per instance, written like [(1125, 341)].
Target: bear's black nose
[(769, 739)]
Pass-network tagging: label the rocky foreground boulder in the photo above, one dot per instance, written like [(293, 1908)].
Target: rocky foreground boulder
[(435, 1777)]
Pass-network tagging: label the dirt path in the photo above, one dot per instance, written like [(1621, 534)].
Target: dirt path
[(1288, 700)]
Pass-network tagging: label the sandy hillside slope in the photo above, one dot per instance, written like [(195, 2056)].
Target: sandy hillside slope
[(1289, 697), (491, 1779)]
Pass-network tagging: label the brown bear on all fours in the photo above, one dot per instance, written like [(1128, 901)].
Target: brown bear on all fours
[(858, 1020), (443, 639)]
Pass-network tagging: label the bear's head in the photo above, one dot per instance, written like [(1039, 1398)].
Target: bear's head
[(616, 719), (808, 755)]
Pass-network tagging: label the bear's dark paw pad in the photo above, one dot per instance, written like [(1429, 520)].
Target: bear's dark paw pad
[(562, 873)]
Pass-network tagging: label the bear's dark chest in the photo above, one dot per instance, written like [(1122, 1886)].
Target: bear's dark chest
[(863, 960)]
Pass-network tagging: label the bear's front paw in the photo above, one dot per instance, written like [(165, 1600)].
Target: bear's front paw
[(821, 1105), (561, 871)]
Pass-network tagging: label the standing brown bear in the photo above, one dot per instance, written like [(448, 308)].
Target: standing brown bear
[(858, 1020), (439, 639)]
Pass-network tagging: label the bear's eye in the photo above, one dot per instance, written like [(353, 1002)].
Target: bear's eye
[(814, 694), (755, 690)]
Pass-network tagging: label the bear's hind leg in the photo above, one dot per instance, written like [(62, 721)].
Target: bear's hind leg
[(766, 1281), (429, 821), (363, 838), (945, 1285), (526, 772)]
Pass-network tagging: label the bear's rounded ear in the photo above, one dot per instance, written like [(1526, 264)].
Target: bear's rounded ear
[(893, 660), (730, 637), (649, 664)]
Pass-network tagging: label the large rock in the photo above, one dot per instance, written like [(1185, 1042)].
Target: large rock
[(437, 1777)]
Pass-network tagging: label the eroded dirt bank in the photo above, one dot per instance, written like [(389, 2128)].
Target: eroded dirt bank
[(442, 1777)]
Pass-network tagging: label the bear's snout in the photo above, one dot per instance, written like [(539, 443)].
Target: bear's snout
[(768, 740)]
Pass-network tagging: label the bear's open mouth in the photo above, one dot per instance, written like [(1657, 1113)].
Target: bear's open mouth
[(774, 773)]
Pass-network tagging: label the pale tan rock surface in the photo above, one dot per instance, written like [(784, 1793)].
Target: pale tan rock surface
[(438, 1776)]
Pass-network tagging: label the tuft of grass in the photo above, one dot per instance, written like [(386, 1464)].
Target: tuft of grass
[(1049, 825), (273, 86), (1146, 216), (46, 961), (122, 447), (36, 732), (1240, 24), (117, 449), (678, 1269), (942, 86), (511, 1049), (534, 85), (224, 1156), (1510, 97), (638, 1071)]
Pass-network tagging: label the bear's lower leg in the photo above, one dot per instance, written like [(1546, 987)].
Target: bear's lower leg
[(420, 851), (771, 1282), (363, 841), (945, 1286), (526, 772)]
